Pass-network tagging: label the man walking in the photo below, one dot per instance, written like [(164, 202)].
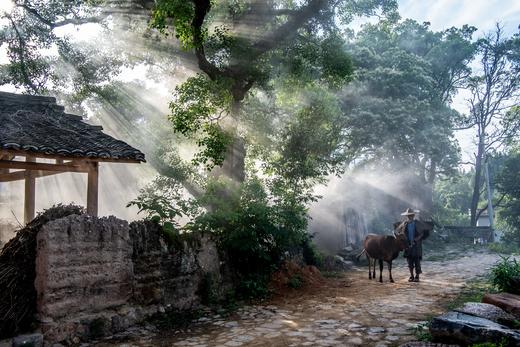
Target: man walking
[(415, 232)]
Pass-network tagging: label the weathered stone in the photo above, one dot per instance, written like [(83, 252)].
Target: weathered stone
[(456, 327), (83, 264), (99, 276), (506, 301), (487, 311), (30, 340), (376, 330)]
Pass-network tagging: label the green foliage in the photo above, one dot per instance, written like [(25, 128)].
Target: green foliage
[(452, 197), (422, 332), (503, 343), (198, 106), (311, 254), (295, 282), (473, 292), (256, 228), (164, 202), (175, 16), (507, 183), (504, 247), (505, 275), (399, 107)]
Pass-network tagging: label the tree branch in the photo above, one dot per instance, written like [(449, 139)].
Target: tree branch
[(21, 56), (53, 25)]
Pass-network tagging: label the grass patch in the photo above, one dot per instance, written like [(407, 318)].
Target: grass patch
[(504, 248), (505, 275), (473, 292), (502, 343), (422, 331)]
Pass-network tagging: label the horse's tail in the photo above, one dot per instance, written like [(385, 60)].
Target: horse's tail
[(360, 254)]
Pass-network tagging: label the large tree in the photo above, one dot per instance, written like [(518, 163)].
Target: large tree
[(495, 89), (244, 51), (398, 110)]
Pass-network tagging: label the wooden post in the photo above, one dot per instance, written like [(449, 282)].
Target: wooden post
[(92, 189), (30, 193)]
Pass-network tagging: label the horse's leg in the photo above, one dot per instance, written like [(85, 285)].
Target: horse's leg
[(369, 267), (374, 272), (390, 271), (381, 270)]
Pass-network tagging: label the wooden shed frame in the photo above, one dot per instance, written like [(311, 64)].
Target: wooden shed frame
[(29, 170), (33, 128)]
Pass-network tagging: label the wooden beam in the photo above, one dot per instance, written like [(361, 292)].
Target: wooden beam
[(30, 193), (92, 190), (20, 175), (66, 157), (5, 156), (25, 165)]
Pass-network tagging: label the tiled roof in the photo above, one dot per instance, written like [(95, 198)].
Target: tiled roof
[(37, 124)]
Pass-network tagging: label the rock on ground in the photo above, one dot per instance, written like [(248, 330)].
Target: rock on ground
[(487, 311), (456, 327), (506, 301)]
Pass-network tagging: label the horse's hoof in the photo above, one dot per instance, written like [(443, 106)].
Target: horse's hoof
[(391, 280), (381, 281)]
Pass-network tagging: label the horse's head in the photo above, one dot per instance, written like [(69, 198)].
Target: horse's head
[(402, 241)]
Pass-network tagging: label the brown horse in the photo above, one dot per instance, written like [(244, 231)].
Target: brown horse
[(383, 248)]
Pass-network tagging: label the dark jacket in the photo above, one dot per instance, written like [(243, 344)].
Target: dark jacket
[(415, 249)]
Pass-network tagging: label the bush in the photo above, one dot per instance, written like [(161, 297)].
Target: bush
[(311, 254), (504, 248), (295, 282), (258, 224), (505, 275), (255, 229)]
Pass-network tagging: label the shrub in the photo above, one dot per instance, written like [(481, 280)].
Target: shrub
[(505, 275), (255, 228), (311, 254), (295, 282)]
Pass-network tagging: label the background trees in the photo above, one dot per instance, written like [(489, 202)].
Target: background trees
[(276, 93), (494, 88), (398, 109)]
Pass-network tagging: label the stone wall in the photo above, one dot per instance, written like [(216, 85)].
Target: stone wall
[(98, 276)]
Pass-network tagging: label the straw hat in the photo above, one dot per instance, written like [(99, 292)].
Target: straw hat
[(409, 212)]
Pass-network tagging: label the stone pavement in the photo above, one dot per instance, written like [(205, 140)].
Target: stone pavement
[(347, 311)]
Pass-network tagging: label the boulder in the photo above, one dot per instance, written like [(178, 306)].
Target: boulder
[(487, 311), (506, 301), (464, 329)]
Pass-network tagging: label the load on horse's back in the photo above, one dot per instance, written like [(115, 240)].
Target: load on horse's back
[(426, 227)]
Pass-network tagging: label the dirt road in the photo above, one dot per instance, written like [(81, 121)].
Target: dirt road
[(346, 311)]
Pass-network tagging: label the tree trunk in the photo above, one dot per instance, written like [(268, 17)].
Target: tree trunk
[(478, 182), (234, 164)]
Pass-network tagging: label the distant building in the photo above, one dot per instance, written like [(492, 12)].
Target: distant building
[(483, 220)]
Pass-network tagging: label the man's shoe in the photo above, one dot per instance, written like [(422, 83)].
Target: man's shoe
[(416, 279), (411, 279)]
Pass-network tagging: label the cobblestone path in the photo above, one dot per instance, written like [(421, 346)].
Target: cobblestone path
[(347, 311)]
